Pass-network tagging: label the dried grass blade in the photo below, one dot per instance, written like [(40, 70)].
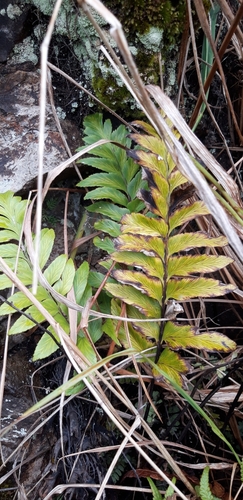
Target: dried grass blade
[(192, 140), (41, 145), (217, 64)]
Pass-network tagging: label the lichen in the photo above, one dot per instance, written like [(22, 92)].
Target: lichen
[(110, 89), (70, 21), (24, 51), (13, 11), (61, 113), (151, 39), (170, 85), (150, 25)]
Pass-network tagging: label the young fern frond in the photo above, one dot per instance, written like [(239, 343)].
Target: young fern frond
[(204, 490), (117, 183), (155, 492), (156, 266)]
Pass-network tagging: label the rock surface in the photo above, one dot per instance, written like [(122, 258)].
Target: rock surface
[(19, 123), (13, 16)]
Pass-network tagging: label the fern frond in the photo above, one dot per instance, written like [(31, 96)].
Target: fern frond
[(60, 274), (154, 269), (204, 489), (120, 178), (155, 492)]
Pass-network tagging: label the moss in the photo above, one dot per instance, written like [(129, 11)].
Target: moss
[(139, 15), (114, 94), (148, 66)]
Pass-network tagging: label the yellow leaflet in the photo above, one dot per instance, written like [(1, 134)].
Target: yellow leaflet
[(149, 285), (172, 364), (146, 127), (148, 245), (161, 204), (183, 266), (161, 183), (149, 329), (150, 265), (178, 336), (140, 224), (151, 162), (132, 296), (185, 214), (139, 342), (186, 241), (176, 180), (201, 287), (152, 143)]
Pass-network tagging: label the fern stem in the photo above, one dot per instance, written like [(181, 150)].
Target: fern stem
[(79, 233), (163, 307), (165, 277)]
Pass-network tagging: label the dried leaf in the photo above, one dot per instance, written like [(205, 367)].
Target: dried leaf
[(142, 473)]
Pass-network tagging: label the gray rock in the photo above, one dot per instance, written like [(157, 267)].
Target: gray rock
[(19, 124)]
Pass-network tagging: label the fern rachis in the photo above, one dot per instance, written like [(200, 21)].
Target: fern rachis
[(156, 266)]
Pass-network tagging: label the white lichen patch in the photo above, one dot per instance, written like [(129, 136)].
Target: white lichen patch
[(133, 50), (170, 70), (152, 39), (2, 12), (13, 11), (24, 51), (60, 113), (45, 6)]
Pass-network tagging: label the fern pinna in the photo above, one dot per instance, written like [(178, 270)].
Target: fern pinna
[(157, 270)]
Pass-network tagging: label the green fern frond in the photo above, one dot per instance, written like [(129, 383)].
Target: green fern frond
[(241, 471), (60, 274), (156, 494), (120, 178), (204, 488)]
